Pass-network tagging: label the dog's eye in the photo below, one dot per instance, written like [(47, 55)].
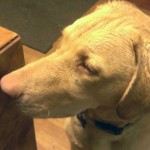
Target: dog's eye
[(84, 67)]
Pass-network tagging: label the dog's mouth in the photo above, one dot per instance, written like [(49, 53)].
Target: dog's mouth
[(31, 109)]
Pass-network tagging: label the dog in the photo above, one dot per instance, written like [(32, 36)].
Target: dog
[(99, 76)]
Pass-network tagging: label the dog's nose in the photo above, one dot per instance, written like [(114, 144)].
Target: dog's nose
[(10, 85)]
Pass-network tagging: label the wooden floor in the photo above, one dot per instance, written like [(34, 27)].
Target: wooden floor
[(50, 134)]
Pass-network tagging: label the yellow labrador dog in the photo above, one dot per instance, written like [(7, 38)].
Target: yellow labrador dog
[(100, 74)]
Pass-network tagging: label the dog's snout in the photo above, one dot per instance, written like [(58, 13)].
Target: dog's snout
[(10, 85)]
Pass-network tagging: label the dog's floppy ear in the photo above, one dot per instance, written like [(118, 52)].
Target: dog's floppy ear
[(136, 98)]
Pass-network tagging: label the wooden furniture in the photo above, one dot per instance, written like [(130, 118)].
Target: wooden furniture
[(16, 130)]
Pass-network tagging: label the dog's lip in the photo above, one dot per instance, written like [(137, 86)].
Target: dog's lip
[(32, 110)]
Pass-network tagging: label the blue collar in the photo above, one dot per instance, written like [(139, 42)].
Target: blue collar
[(102, 125)]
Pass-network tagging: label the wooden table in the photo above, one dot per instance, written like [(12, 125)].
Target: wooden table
[(16, 131)]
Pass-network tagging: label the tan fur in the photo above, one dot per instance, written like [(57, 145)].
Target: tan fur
[(112, 40)]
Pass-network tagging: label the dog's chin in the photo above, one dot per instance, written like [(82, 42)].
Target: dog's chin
[(34, 114), (33, 110)]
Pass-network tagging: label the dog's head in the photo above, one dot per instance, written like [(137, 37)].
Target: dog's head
[(94, 64)]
